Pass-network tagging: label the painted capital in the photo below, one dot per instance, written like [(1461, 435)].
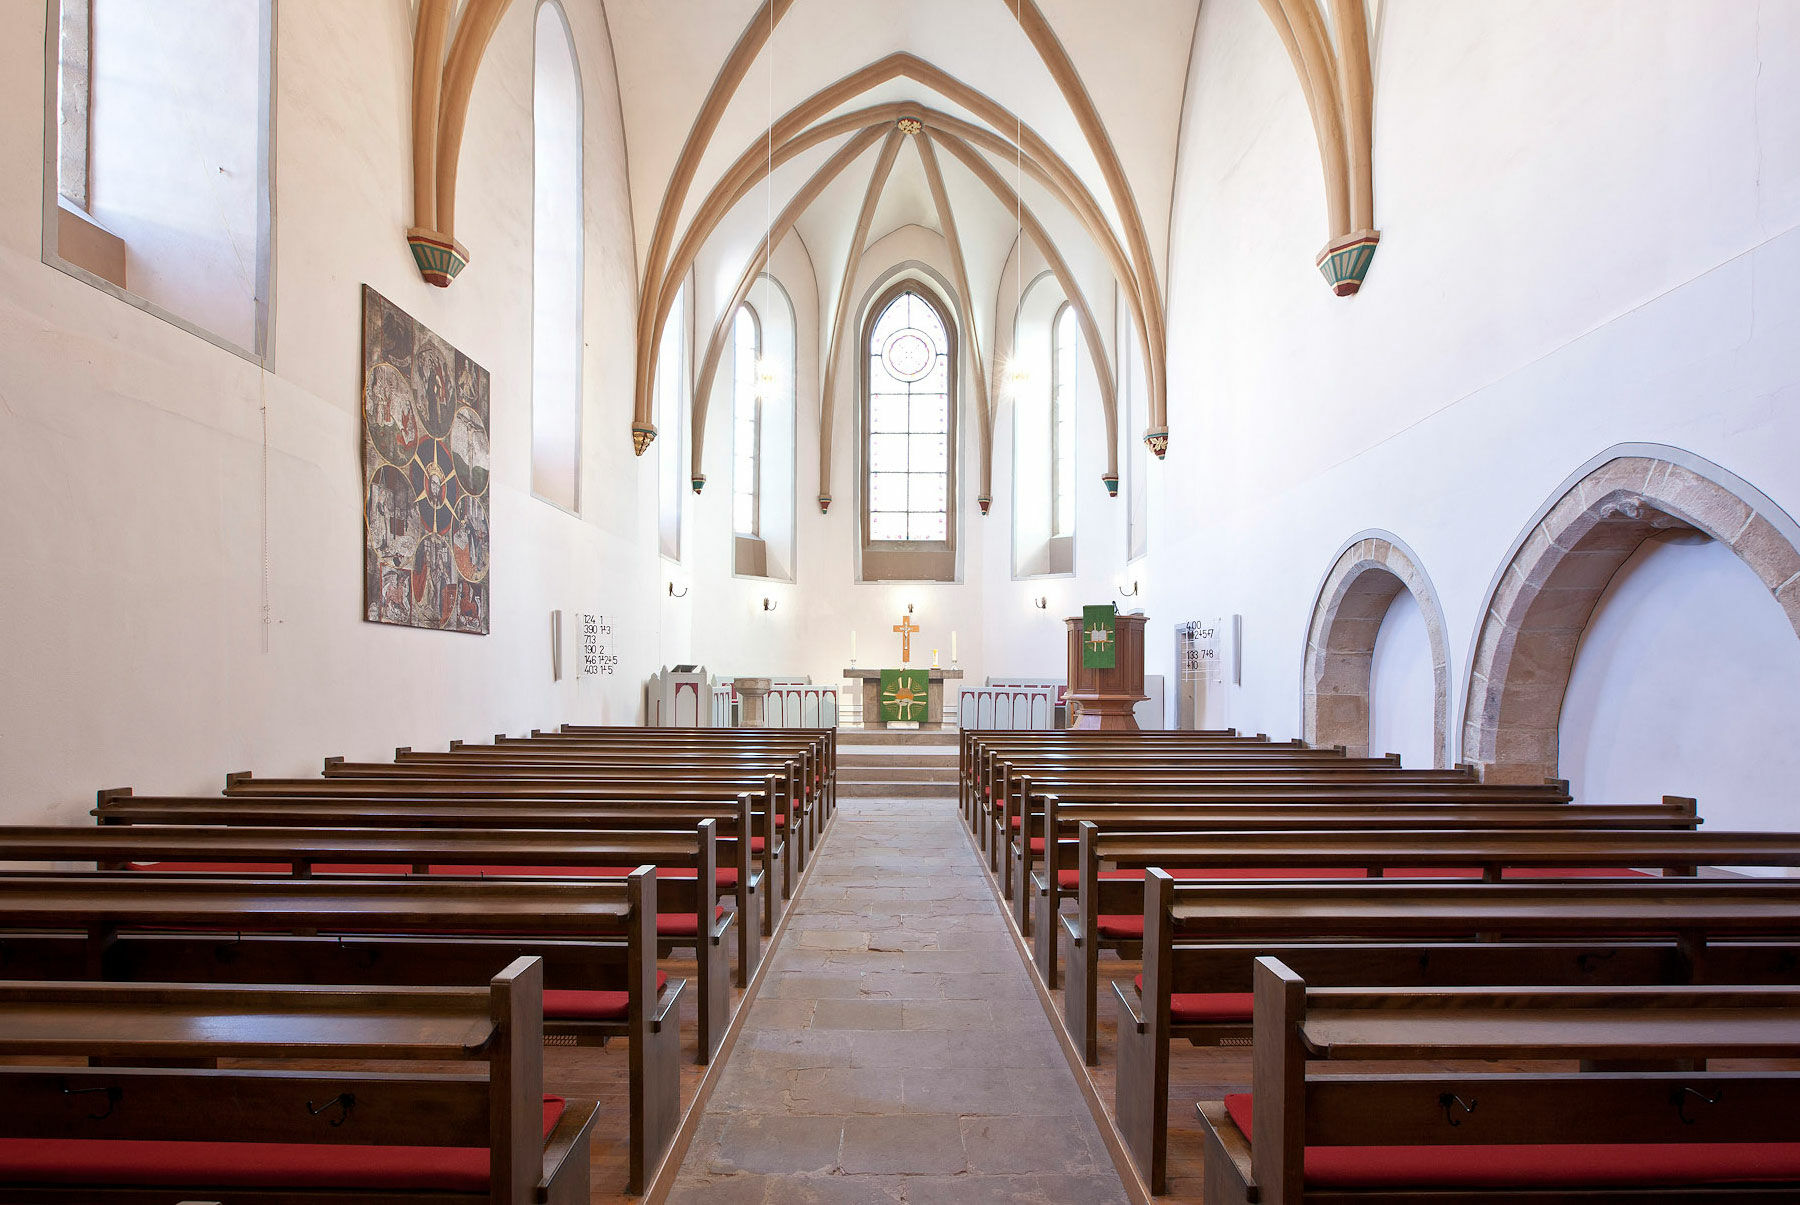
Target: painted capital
[(699, 482), (984, 502), (1158, 442), (1112, 484), (642, 435), (1345, 260), (824, 503), (438, 256)]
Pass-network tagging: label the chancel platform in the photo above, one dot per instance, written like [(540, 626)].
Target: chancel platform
[(871, 692)]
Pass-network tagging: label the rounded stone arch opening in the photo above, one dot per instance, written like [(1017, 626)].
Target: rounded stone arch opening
[(1538, 605), (1365, 577)]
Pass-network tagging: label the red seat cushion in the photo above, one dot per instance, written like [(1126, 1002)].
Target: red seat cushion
[(281, 869), (1124, 926), (1587, 1165), (681, 924), (246, 1165), (757, 845), (565, 1004), (1070, 880), (1198, 1008)]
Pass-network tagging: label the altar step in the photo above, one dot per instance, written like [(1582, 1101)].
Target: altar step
[(918, 763), (850, 738)]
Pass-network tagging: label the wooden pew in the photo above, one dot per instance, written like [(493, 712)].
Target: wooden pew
[(1490, 1134), (119, 806), (645, 790), (1110, 903), (1051, 887), (1567, 932), (597, 939), (688, 908), (805, 786), (1019, 820), (123, 1134)]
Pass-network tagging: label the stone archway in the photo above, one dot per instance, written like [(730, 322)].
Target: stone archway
[(1539, 604), (1364, 579)]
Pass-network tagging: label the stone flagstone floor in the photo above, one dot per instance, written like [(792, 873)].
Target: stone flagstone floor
[(896, 1051)]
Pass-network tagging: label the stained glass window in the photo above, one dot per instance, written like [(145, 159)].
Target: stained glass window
[(909, 445)]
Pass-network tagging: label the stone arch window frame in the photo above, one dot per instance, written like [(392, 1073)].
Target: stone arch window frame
[(1637, 489), (909, 560), (1368, 572), (747, 309), (568, 32), (1060, 408), (50, 250)]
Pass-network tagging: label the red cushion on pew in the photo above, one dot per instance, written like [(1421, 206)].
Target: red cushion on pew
[(281, 869), (680, 924), (757, 845), (1198, 1008), (565, 1004), (724, 878), (209, 1165), (1586, 1165), (1124, 926), (547, 872), (1070, 880)]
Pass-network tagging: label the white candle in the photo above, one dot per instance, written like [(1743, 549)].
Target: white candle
[(853, 648), (953, 648)]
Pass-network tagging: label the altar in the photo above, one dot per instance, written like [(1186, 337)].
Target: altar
[(871, 692)]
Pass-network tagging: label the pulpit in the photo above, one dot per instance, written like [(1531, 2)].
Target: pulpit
[(1108, 695), (871, 693)]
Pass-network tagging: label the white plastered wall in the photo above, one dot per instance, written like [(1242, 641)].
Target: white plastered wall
[(132, 452), (1589, 238)]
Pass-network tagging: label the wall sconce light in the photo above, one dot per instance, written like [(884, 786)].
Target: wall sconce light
[(1131, 593), (1041, 602), (909, 609), (769, 604), (672, 593)]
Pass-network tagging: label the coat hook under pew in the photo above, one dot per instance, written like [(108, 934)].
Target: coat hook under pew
[(345, 1100)]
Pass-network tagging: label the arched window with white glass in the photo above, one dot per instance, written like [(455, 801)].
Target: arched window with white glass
[(746, 423), (556, 263), (1065, 363), (909, 444)]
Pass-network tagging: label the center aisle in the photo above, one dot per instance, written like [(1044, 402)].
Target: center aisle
[(897, 1050)]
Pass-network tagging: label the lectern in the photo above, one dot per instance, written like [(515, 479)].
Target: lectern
[(1108, 695)]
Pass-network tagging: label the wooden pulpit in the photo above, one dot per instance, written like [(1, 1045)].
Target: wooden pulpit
[(1107, 696)]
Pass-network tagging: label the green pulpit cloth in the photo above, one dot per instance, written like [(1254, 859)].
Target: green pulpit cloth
[(1097, 631), (903, 695)]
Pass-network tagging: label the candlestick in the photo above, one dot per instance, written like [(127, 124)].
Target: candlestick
[(934, 660)]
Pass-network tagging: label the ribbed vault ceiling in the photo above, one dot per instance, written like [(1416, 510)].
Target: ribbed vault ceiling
[(1092, 94)]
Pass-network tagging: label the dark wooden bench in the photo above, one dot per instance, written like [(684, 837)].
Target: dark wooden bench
[(1500, 1133), (688, 911), (597, 940), (120, 1135), (1055, 884), (1196, 933), (769, 796), (1110, 904), (119, 806)]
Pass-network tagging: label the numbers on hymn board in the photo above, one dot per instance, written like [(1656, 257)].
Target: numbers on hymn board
[(597, 656)]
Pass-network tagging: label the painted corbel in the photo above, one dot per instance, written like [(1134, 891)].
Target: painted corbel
[(1337, 81), (442, 87)]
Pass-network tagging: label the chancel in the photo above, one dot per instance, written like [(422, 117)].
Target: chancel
[(952, 600)]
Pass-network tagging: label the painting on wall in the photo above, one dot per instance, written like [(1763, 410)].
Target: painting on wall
[(425, 476)]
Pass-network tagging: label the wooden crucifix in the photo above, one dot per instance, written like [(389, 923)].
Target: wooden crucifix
[(906, 627)]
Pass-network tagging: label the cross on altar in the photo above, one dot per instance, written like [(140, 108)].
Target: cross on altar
[(906, 627)]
